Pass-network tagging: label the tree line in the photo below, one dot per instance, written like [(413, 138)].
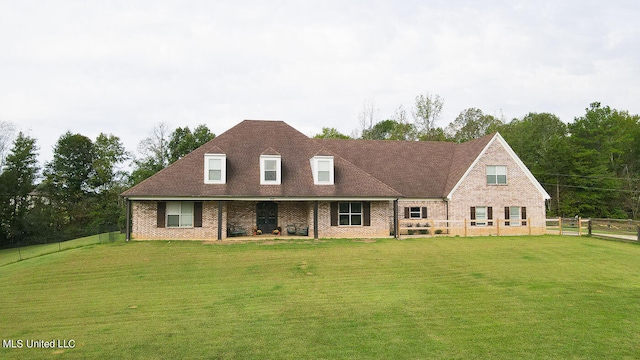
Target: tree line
[(78, 192), (590, 167)]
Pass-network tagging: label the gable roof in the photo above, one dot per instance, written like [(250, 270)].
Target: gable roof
[(362, 168), (500, 140)]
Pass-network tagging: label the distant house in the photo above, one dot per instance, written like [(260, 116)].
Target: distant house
[(262, 176)]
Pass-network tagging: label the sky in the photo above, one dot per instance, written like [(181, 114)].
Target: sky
[(122, 67)]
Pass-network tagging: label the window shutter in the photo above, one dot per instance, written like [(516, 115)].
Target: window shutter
[(490, 215), (507, 215), (366, 213), (473, 215), (523, 212), (162, 211), (334, 214), (406, 213), (197, 214), (424, 212)]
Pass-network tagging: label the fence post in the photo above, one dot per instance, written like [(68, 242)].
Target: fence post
[(433, 227), (560, 225), (498, 226), (529, 226), (638, 233), (465, 227), (579, 226), (590, 227)]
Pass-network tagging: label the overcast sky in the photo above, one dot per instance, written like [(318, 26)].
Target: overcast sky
[(121, 67)]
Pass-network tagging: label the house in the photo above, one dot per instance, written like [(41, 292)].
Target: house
[(260, 176)]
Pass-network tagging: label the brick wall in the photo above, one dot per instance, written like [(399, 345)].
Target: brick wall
[(519, 191), (144, 223), (381, 214)]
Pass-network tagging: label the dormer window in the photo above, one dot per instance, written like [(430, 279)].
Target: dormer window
[(270, 169), (215, 168), (322, 167)]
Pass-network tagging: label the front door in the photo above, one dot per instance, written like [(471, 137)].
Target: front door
[(267, 216)]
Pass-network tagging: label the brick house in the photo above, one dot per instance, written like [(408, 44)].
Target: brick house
[(265, 175)]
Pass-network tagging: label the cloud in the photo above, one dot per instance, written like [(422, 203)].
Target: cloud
[(122, 66)]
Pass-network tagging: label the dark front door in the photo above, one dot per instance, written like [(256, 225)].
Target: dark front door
[(267, 216)]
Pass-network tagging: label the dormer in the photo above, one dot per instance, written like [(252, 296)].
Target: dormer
[(270, 167), (215, 168), (323, 169)]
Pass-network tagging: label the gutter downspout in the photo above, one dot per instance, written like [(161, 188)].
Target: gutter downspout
[(395, 219), (446, 203), (128, 219)]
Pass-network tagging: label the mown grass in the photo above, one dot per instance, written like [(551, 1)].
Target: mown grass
[(12, 255), (508, 297)]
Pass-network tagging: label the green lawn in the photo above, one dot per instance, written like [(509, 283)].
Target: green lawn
[(509, 297)]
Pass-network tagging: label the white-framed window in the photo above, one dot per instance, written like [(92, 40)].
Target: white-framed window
[(322, 167), (215, 168), (179, 214), (270, 169), (415, 212), (350, 213), (496, 175)]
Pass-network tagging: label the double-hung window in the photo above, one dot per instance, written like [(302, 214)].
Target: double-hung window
[(496, 175), (481, 216), (516, 213), (350, 213), (270, 170), (215, 168), (180, 214), (322, 167)]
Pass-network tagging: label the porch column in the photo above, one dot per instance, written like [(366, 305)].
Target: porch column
[(219, 219), (128, 219), (315, 220)]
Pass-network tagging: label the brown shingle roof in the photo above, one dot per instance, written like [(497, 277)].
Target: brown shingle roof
[(243, 144), (363, 168)]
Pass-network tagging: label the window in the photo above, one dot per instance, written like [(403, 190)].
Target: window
[(322, 167), (215, 169), (350, 213), (270, 170), (180, 214), (481, 216), (496, 175), (515, 213), (415, 212)]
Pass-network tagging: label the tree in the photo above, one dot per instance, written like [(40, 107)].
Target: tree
[(68, 181), (471, 124), (599, 141), (107, 208), (331, 133), (108, 153), (17, 183), (390, 130), (426, 113), (182, 141), (6, 134), (368, 117), (155, 154)]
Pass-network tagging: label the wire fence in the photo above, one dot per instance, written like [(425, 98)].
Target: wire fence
[(19, 253)]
